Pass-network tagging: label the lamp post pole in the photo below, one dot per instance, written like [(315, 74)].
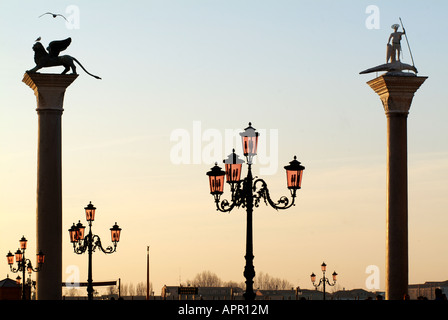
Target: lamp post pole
[(247, 194), (24, 264), (90, 254), (90, 242), (147, 274), (249, 270), (324, 280)]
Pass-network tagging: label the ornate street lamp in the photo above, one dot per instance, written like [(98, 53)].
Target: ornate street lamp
[(24, 264), (246, 192), (89, 242), (323, 280)]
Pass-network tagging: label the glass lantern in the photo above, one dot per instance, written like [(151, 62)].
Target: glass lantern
[(90, 212), (233, 166), (216, 179), (294, 173), (249, 139)]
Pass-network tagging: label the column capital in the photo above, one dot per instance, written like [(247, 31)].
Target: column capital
[(396, 92), (49, 89)]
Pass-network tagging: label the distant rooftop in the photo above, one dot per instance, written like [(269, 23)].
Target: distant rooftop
[(8, 283)]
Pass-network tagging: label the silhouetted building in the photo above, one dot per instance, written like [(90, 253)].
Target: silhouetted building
[(355, 294), (11, 290), (427, 289), (232, 293), (275, 294), (201, 293)]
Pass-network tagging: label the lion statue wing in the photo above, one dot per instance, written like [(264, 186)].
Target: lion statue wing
[(55, 47)]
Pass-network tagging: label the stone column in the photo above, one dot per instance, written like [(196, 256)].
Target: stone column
[(396, 93), (49, 90)]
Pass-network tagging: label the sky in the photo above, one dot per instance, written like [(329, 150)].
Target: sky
[(180, 79)]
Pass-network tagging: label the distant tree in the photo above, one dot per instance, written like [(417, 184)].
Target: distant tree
[(131, 289), (233, 284), (140, 289), (264, 281), (206, 279), (124, 289), (128, 289)]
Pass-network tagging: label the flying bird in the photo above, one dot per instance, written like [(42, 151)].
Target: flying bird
[(54, 15)]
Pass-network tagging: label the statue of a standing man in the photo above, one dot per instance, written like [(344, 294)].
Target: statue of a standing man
[(393, 50)]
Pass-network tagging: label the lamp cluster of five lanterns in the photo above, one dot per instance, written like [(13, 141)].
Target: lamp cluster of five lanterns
[(89, 242), (245, 192), (24, 265)]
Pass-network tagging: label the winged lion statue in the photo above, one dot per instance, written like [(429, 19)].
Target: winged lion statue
[(44, 59)]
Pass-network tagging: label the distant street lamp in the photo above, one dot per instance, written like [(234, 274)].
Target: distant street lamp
[(323, 280), (89, 242), (246, 194), (24, 264)]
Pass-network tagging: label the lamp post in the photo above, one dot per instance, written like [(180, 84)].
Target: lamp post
[(24, 264), (248, 193), (89, 242), (323, 280)]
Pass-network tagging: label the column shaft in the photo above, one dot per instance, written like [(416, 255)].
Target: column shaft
[(49, 90), (397, 273), (49, 203)]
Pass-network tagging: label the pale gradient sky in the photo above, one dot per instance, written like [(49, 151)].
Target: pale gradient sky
[(290, 67)]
